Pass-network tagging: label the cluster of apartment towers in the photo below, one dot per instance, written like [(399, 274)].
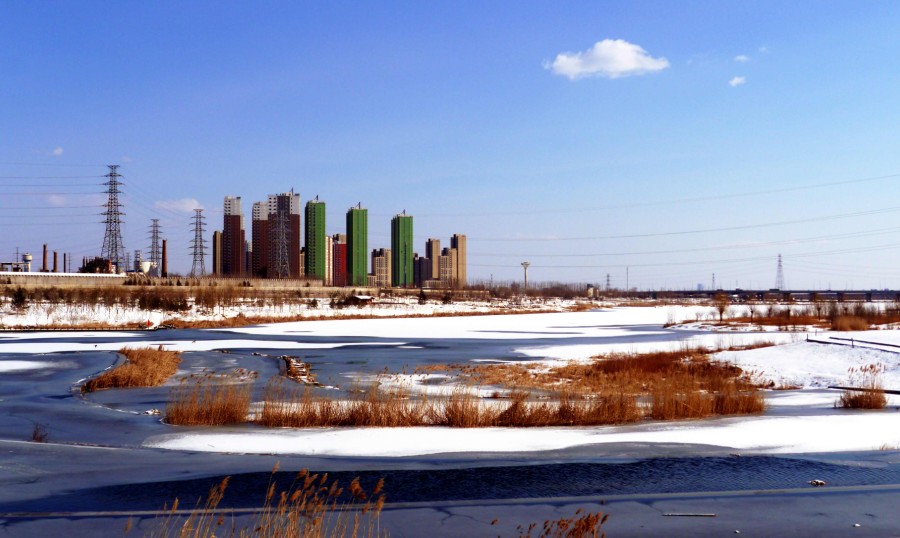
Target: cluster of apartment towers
[(274, 249)]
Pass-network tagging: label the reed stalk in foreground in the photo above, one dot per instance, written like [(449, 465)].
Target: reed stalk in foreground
[(311, 507)]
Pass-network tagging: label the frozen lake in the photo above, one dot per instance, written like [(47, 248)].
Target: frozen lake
[(104, 454)]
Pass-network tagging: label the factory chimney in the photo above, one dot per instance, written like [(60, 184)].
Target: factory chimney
[(165, 258), (55, 259), (44, 263)]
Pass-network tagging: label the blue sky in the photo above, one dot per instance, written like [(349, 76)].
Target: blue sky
[(573, 135)]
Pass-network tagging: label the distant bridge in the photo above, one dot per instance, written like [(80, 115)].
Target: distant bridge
[(742, 295)]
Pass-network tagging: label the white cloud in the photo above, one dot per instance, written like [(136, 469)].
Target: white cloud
[(57, 151), (57, 200), (610, 58), (185, 205), (764, 49), (737, 81), (742, 58), (126, 159)]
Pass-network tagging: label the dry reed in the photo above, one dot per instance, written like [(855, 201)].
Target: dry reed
[(143, 367), (867, 378), (209, 401), (311, 507)]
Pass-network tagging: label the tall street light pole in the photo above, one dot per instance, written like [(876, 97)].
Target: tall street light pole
[(525, 265)]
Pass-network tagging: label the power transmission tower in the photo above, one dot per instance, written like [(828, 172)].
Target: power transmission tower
[(155, 251), (198, 245), (779, 275), (282, 267), (113, 249), (607, 282), (714, 282)]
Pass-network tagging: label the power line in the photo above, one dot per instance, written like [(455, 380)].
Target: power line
[(697, 231), (710, 262), (676, 201)]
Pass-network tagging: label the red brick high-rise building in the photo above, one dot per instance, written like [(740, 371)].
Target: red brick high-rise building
[(233, 250), (259, 259)]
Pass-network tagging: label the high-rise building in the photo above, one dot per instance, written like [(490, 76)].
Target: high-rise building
[(233, 238), (357, 246), (381, 267), (284, 236), (458, 243), (259, 260), (328, 279), (217, 253), (316, 255), (402, 250), (421, 269), (339, 260), (446, 266), (433, 253)]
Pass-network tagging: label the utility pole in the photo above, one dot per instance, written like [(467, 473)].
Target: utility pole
[(779, 275), (155, 252), (626, 278), (198, 245), (113, 249), (525, 266)]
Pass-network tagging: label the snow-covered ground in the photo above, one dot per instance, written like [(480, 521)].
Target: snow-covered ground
[(761, 435), (40, 314)]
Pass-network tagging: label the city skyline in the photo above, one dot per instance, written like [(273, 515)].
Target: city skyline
[(656, 143)]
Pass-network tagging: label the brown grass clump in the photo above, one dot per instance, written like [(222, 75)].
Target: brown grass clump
[(867, 378), (849, 323), (310, 507), (209, 401), (144, 367)]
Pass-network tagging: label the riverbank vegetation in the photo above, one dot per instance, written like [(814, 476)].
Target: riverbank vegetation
[(613, 389), (143, 367)]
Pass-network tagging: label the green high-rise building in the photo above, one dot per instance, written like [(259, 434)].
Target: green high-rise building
[(402, 251), (315, 239), (357, 246)]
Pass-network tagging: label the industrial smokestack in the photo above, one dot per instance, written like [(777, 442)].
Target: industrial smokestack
[(55, 266), (44, 264), (65, 267), (165, 258)]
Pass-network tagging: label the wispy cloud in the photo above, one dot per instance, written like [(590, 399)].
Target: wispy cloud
[(742, 58), (763, 49), (184, 205), (57, 151), (80, 200), (610, 58), (737, 81)]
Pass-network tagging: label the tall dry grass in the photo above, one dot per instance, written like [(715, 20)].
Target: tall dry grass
[(289, 405), (310, 507), (144, 367), (209, 401), (867, 378), (849, 323)]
